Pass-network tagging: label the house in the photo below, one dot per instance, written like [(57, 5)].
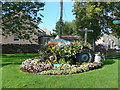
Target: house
[(15, 40), (109, 41), (48, 32), (13, 44)]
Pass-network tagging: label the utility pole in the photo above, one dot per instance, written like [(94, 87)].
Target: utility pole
[(61, 15)]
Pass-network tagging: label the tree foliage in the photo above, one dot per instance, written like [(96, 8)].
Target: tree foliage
[(116, 30), (21, 18), (116, 27), (96, 16), (68, 28)]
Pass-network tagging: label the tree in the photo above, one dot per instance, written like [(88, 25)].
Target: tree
[(68, 28), (21, 18), (95, 16), (116, 30), (116, 27)]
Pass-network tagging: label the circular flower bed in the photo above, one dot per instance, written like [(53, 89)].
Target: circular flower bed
[(41, 68)]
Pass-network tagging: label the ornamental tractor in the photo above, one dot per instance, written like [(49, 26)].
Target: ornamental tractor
[(68, 47)]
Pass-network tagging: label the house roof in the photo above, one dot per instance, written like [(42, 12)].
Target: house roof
[(41, 32)]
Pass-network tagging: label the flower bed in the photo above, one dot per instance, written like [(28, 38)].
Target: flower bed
[(41, 68), (65, 69), (65, 55), (34, 66)]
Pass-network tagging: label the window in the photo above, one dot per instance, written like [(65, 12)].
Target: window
[(16, 38)]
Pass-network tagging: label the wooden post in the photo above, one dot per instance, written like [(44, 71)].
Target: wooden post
[(86, 31), (86, 35)]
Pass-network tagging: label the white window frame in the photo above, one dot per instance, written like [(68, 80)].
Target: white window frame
[(17, 39)]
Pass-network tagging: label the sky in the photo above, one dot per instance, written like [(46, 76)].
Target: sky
[(51, 14)]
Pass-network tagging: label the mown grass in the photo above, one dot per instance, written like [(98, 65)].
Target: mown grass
[(15, 58), (12, 77)]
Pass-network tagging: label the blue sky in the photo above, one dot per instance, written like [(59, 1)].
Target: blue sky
[(51, 14)]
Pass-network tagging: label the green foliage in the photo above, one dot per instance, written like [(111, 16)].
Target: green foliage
[(68, 28), (95, 16), (63, 54), (116, 31), (78, 63), (66, 53), (51, 62), (21, 19), (62, 61)]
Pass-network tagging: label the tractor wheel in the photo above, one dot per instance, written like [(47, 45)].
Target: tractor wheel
[(53, 57), (84, 56)]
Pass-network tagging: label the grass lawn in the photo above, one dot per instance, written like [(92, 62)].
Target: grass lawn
[(12, 77)]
